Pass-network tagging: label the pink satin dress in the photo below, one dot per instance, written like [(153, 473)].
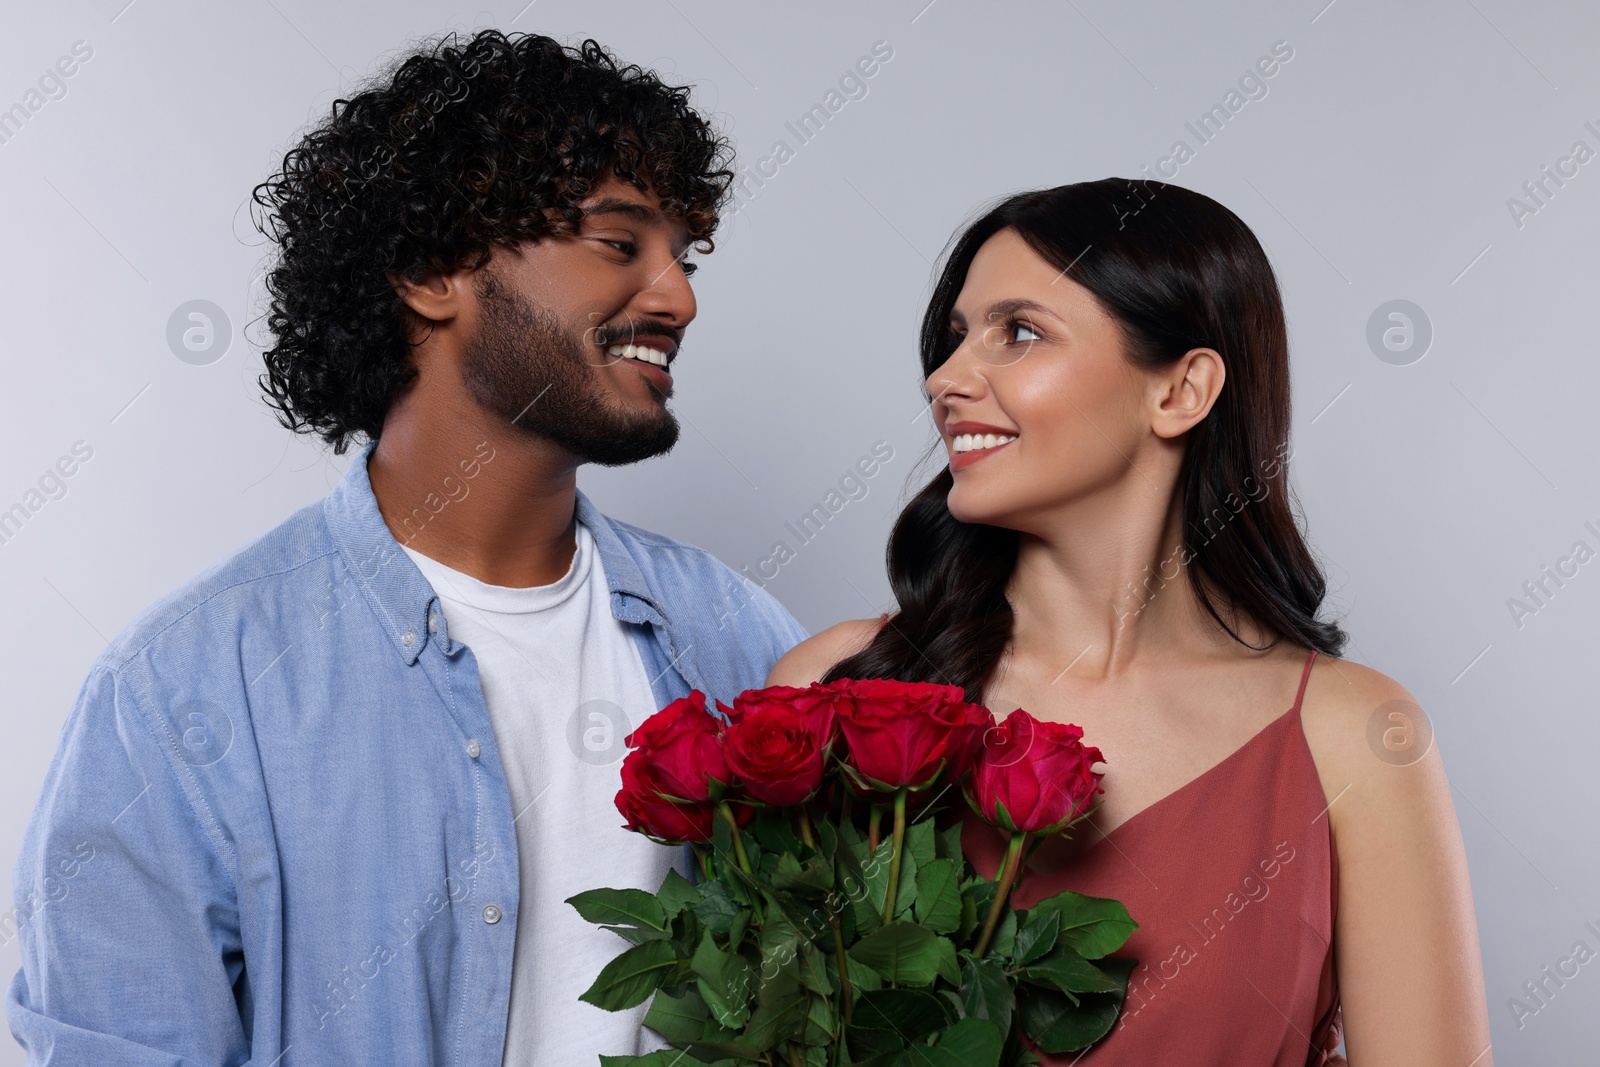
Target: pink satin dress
[(1233, 880)]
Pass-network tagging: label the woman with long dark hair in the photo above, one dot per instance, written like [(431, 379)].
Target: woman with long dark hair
[(1112, 544)]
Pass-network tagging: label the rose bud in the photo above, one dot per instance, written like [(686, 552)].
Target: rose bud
[(778, 743), (905, 734), (684, 745), (647, 811), (1033, 777)]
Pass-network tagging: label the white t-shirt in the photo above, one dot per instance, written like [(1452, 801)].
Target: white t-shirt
[(565, 684)]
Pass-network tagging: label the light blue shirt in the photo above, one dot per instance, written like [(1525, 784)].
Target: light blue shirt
[(277, 830)]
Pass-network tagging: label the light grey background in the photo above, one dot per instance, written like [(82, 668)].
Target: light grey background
[(1378, 166)]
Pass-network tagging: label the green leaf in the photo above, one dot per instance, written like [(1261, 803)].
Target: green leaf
[(1057, 1025), (938, 905), (774, 828), (676, 893), (969, 918), (1094, 926), (821, 1024), (680, 1020), (1070, 973), (913, 1013), (969, 1043), (814, 974), (949, 965), (877, 874), (947, 844), (986, 992), (863, 979), (853, 883), (906, 892), (976, 895), (727, 983), (903, 953), (852, 843), (736, 930), (815, 874), (827, 839), (621, 907), (716, 907), (888, 1020), (780, 942), (780, 1012), (919, 842), (1005, 935), (1037, 936), (627, 980)]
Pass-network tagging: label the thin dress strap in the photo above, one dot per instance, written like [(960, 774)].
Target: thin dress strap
[(1305, 676)]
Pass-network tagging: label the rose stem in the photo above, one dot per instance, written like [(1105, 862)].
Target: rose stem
[(894, 856), (705, 864), (846, 996), (738, 838), (744, 860), (1002, 891), (872, 828), (805, 828)]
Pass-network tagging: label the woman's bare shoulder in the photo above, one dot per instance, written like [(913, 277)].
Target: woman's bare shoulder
[(1368, 734), (808, 661)]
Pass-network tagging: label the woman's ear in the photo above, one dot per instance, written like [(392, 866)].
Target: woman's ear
[(1185, 391)]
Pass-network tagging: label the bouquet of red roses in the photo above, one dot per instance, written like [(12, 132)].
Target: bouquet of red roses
[(834, 919)]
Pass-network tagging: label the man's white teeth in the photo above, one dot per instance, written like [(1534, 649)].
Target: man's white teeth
[(966, 442), (649, 355)]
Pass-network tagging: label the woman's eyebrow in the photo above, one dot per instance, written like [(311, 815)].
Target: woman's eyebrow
[(1009, 306), (1016, 304)]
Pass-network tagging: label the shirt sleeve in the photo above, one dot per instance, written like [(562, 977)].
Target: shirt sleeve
[(126, 908)]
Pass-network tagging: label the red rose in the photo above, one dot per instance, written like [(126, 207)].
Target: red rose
[(647, 811), (904, 734), (778, 743), (1033, 777), (684, 745)]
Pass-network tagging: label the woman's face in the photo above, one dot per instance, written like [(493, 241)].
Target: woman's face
[(1040, 362)]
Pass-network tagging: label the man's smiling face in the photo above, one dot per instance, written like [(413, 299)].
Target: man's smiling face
[(573, 334)]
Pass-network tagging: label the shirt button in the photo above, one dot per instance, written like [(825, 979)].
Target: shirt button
[(472, 747), (491, 914), (433, 622), (408, 638)]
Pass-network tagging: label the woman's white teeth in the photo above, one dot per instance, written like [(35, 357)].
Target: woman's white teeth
[(649, 355), (966, 442)]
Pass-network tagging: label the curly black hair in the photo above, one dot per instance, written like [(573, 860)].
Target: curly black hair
[(464, 146)]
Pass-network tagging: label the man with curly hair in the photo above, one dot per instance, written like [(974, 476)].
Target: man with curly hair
[(324, 803)]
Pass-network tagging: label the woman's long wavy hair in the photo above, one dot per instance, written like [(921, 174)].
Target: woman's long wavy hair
[(1177, 271)]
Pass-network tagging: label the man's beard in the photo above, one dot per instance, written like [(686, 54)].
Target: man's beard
[(523, 366)]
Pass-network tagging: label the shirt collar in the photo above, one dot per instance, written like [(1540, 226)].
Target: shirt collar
[(401, 598)]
